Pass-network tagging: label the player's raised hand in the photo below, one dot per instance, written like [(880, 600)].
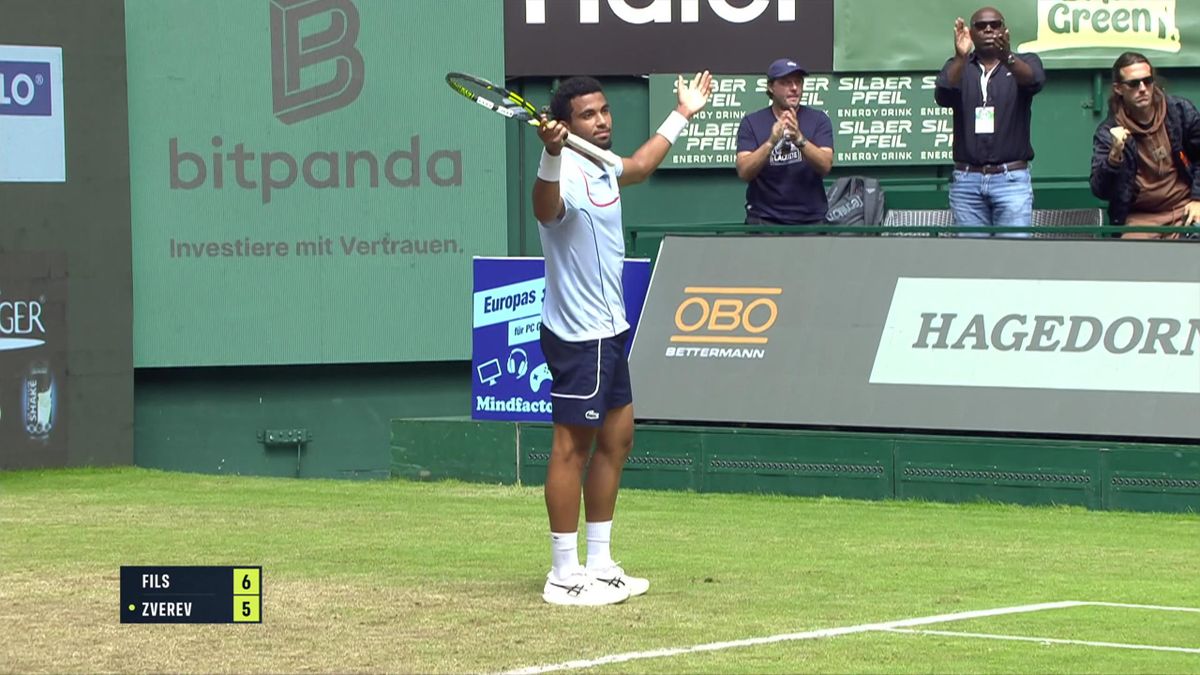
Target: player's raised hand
[(962, 38), (553, 134), (693, 96)]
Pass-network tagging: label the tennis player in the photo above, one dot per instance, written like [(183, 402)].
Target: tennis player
[(577, 203)]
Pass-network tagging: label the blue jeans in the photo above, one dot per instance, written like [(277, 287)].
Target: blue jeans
[(1001, 199)]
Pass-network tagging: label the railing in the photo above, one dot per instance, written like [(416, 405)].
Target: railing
[(640, 233)]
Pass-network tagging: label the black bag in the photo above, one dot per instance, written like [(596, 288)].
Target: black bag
[(855, 200)]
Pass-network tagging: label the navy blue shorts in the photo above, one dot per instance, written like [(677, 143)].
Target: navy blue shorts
[(588, 378)]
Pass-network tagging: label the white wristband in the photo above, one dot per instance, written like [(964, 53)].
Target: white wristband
[(672, 126), (549, 167)]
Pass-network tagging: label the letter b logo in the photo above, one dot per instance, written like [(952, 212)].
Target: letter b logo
[(292, 53)]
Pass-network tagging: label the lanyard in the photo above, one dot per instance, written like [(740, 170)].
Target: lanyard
[(985, 78)]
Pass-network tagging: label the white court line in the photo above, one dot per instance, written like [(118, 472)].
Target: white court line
[(1057, 641), (1158, 607), (789, 637)]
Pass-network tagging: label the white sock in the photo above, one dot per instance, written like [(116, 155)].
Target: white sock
[(564, 551), (598, 536)]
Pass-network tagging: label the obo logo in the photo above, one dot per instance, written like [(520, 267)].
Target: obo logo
[(724, 315), (659, 11), (292, 53), (25, 88)]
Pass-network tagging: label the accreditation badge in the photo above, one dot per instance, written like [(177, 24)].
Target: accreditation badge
[(985, 119)]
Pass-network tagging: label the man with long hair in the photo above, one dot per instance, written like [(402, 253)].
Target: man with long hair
[(1144, 155)]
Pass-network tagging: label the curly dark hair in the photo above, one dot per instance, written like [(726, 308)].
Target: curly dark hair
[(570, 89)]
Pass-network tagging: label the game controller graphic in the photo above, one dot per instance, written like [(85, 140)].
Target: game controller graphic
[(538, 376)]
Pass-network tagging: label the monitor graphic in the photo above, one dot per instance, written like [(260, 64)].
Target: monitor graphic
[(489, 372)]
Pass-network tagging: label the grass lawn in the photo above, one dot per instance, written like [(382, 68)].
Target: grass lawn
[(446, 577)]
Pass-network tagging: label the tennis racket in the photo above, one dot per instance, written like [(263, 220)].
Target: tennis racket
[(514, 107)]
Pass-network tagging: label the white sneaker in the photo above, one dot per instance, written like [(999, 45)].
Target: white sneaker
[(581, 589), (615, 577)]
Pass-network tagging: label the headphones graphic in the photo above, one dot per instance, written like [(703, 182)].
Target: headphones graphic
[(518, 362)]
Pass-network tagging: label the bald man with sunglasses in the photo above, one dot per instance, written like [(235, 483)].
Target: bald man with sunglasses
[(1144, 155), (991, 90)]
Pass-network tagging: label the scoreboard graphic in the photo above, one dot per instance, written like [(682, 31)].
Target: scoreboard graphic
[(191, 594)]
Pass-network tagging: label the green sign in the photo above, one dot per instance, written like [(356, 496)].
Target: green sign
[(305, 187), (877, 120), (880, 35)]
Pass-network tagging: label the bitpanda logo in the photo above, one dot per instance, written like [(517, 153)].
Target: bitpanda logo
[(292, 53)]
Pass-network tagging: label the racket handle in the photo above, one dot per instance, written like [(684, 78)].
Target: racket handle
[(584, 147)]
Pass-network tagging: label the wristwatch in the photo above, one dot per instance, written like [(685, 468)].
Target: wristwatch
[(1012, 58), (801, 142)]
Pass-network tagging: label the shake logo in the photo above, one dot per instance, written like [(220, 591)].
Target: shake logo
[(730, 322), (662, 11), (21, 324), (232, 164), (292, 53), (25, 88), (1042, 334), (1108, 24), (39, 401)]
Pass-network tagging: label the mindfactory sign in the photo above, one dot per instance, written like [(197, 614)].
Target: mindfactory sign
[(511, 380)]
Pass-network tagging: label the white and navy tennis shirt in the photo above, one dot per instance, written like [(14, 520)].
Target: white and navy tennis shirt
[(585, 254)]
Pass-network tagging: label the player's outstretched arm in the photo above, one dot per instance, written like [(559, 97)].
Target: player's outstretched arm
[(693, 96), (547, 199)]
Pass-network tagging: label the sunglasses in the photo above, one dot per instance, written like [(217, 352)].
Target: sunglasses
[(1137, 84), (983, 25)]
